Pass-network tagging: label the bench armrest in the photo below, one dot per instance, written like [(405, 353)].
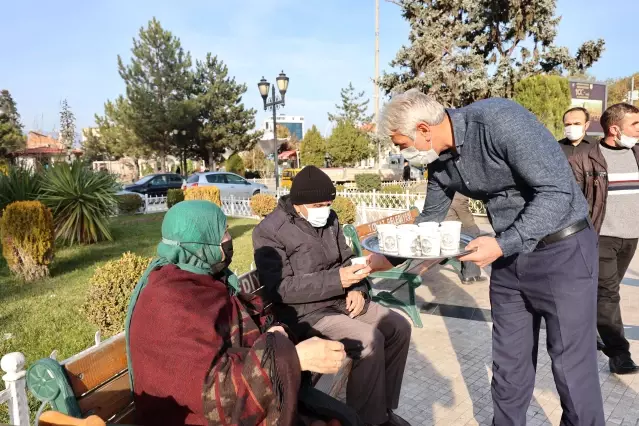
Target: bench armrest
[(48, 382)]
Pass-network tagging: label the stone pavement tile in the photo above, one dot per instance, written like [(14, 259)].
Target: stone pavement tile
[(447, 380)]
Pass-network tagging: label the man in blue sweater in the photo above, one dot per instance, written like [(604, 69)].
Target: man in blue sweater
[(544, 255)]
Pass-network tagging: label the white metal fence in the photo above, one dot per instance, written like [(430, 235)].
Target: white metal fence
[(15, 393), (370, 205), (373, 204)]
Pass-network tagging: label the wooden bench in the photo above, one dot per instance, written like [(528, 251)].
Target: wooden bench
[(401, 273), (96, 381)]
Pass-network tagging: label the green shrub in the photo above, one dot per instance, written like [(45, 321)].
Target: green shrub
[(339, 188), (235, 164), (174, 196), (130, 203), (393, 189), (367, 182), (27, 236), (82, 201), (262, 204), (19, 184), (345, 209), (109, 292), (208, 193)]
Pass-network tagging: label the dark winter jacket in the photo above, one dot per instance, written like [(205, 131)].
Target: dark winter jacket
[(591, 173), (299, 266)]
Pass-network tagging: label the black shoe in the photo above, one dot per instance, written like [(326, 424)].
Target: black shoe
[(600, 344), (471, 280), (622, 364)]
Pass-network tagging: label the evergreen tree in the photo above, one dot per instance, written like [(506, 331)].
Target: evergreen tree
[(67, 127), (116, 137), (158, 81), (313, 148), (354, 107), (348, 145), (11, 137), (464, 51), (225, 122), (235, 164), (546, 96)]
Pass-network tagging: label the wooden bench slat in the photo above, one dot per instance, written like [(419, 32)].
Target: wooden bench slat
[(108, 400), (93, 369)]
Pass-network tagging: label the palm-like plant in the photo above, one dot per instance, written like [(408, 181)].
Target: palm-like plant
[(18, 184), (82, 201)]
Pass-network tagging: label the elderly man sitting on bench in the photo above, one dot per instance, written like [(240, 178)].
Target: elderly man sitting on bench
[(303, 260), (201, 353)]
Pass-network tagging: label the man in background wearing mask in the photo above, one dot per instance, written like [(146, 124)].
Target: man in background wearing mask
[(609, 177), (576, 123), (302, 258), (544, 255)]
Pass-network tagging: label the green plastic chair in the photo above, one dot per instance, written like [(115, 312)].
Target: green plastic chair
[(388, 298)]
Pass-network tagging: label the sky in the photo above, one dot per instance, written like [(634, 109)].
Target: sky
[(69, 48)]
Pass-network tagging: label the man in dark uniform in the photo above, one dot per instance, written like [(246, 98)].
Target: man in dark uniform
[(576, 123), (406, 173), (544, 255)]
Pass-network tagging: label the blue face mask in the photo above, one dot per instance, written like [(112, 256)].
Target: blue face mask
[(419, 158)]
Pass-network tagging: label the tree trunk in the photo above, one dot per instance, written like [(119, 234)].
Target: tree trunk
[(211, 164), (136, 167), (163, 161)]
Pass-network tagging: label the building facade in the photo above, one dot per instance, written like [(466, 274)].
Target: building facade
[(294, 124), (43, 150)]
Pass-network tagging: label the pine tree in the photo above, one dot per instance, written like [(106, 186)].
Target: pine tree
[(11, 137), (546, 96), (225, 122), (354, 107), (348, 145), (116, 138), (158, 81), (313, 148), (464, 51), (67, 127)]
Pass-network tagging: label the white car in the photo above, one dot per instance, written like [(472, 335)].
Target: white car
[(228, 184)]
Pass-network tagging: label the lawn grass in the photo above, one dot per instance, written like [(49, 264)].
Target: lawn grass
[(37, 318)]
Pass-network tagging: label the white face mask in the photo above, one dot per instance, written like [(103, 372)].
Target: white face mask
[(419, 158), (318, 216), (626, 141), (574, 132)]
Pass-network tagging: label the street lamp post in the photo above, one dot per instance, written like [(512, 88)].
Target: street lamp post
[(273, 104)]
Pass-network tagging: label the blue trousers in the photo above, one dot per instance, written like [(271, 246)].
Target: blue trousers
[(556, 282)]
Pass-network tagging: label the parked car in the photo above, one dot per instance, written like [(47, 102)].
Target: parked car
[(156, 184), (228, 184)]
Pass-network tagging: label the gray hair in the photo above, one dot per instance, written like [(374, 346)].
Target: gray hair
[(406, 110)]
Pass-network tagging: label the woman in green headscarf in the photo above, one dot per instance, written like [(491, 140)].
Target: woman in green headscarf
[(197, 349)]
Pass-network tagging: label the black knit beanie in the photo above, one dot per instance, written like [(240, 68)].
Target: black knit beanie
[(311, 186)]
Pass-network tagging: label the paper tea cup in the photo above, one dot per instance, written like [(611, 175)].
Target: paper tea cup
[(387, 237), (450, 233)]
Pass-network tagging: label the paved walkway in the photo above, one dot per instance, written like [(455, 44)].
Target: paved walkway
[(447, 381)]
